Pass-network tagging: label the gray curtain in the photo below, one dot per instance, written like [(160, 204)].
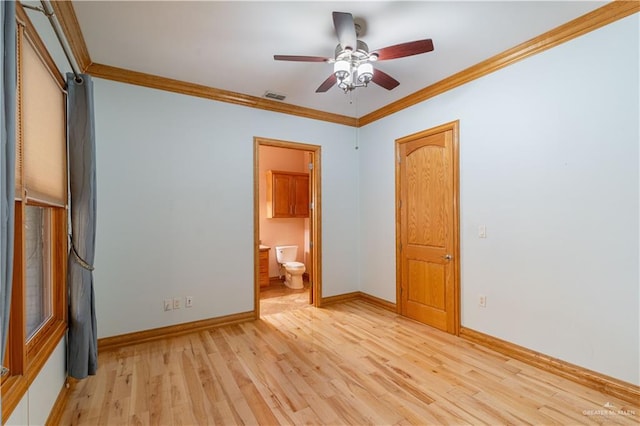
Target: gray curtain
[(7, 166), (82, 346)]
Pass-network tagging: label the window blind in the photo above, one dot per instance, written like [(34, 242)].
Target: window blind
[(42, 109)]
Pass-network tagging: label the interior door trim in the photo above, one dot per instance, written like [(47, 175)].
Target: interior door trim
[(452, 126), (315, 217)]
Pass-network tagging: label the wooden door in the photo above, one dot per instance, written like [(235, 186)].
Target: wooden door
[(300, 194), (287, 194), (427, 208), (281, 195)]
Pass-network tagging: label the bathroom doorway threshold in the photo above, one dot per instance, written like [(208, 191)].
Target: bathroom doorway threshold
[(277, 297), (315, 243)]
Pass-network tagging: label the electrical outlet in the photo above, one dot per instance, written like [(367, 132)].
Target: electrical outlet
[(188, 302), (176, 302), (482, 301), (168, 303)]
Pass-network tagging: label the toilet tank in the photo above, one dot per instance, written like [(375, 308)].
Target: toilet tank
[(286, 253)]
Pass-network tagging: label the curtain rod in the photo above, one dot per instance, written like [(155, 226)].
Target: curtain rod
[(50, 15)]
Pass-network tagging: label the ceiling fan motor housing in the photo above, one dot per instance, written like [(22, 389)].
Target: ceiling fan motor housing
[(360, 54)]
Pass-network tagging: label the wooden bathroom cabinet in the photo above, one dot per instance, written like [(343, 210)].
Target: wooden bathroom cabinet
[(287, 194), (263, 262)]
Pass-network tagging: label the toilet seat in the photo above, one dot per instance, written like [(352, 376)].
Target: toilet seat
[(293, 265)]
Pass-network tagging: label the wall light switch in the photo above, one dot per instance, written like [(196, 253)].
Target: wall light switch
[(168, 303), (482, 301), (176, 302), (482, 231)]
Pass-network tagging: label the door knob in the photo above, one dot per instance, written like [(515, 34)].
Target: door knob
[(447, 257)]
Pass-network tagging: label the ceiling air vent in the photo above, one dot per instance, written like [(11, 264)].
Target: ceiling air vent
[(272, 95)]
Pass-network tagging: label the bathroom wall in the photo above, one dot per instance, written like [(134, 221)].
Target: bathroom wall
[(281, 231)]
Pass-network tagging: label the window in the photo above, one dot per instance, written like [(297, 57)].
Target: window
[(38, 301), (38, 259)]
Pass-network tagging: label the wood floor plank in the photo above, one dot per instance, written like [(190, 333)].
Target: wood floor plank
[(563, 418), (159, 400), (364, 403), (412, 411), (350, 363)]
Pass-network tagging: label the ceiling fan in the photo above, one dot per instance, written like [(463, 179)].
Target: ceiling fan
[(352, 64)]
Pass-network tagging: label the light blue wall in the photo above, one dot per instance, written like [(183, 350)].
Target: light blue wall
[(549, 163), (175, 204)]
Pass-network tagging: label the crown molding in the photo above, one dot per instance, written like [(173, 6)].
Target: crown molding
[(598, 18), (66, 15), (156, 82)]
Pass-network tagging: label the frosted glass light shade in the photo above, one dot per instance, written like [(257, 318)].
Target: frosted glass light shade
[(341, 69), (365, 72)]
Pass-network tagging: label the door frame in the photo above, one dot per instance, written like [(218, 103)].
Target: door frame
[(454, 127), (315, 216)]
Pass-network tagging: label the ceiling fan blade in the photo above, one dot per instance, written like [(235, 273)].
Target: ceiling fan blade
[(327, 84), (345, 29), (404, 49), (299, 58), (383, 79)]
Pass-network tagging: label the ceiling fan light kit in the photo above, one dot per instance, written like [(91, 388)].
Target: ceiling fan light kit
[(352, 63), (352, 68)]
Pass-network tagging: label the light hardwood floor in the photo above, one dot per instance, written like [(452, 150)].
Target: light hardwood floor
[(279, 298), (351, 363)]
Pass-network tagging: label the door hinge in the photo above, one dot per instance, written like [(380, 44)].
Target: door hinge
[(400, 204), (311, 205), (310, 243), (310, 166), (400, 246)]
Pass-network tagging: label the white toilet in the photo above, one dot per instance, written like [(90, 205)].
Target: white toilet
[(286, 257)]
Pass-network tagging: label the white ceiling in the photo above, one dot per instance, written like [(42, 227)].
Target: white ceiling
[(230, 44)]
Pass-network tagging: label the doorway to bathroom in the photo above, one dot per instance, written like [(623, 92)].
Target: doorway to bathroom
[(286, 213)]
